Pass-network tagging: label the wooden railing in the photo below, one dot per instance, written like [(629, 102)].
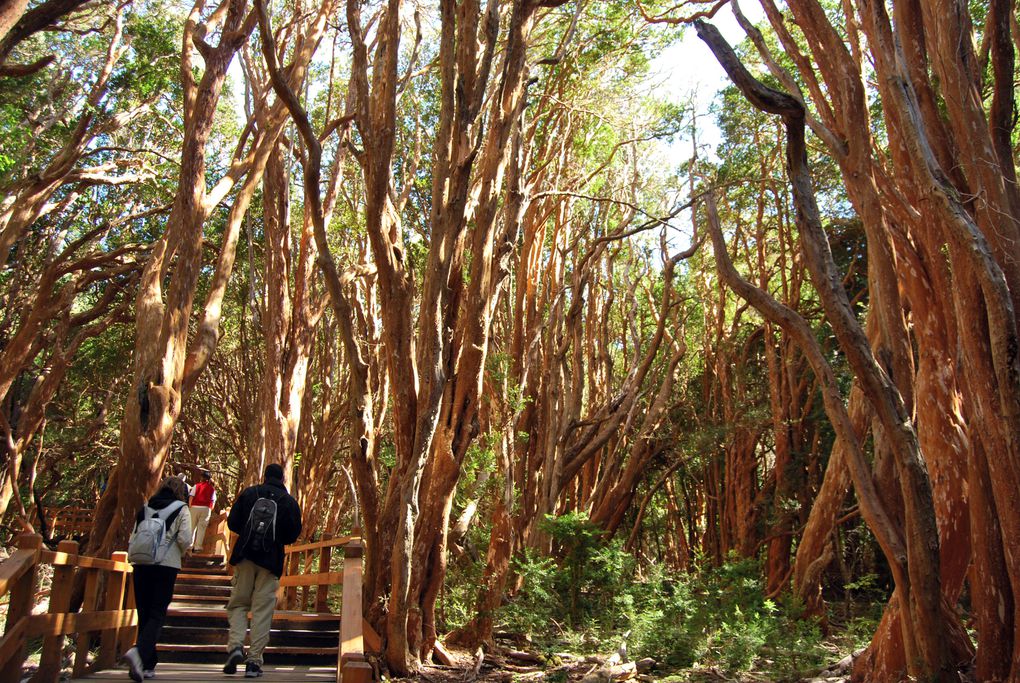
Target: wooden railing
[(352, 665), (64, 522), (307, 566), (217, 536), (107, 609), (108, 606)]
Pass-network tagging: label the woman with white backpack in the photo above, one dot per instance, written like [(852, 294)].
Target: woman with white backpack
[(162, 534)]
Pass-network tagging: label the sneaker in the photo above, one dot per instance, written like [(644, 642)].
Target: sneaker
[(148, 673), (235, 657), (252, 669), (134, 664)]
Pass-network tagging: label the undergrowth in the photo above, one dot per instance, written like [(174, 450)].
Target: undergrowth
[(593, 596)]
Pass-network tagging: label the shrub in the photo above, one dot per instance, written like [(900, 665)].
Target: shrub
[(716, 616), (536, 606)]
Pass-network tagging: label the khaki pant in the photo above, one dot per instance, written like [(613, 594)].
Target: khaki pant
[(254, 589), (199, 521)]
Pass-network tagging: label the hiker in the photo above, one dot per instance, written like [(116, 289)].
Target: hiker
[(266, 518), (162, 533), (203, 498)]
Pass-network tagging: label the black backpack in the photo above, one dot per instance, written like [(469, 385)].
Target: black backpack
[(259, 534)]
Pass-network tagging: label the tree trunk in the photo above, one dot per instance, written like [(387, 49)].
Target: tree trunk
[(154, 405)]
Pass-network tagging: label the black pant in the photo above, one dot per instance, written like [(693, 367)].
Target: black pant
[(154, 589)]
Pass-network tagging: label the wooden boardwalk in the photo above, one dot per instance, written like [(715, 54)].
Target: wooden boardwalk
[(202, 673), (312, 643)]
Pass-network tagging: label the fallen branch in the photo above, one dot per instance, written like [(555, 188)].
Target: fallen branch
[(526, 657), (441, 654), (479, 658), (606, 674)]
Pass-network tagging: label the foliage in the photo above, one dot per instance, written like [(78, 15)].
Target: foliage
[(721, 617), (596, 128), (591, 596)]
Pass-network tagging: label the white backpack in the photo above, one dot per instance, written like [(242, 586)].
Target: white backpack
[(149, 541)]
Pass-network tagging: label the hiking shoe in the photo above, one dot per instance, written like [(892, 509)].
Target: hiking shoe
[(235, 657), (252, 670), (134, 664), (148, 673)]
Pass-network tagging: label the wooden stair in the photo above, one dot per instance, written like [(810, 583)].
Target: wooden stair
[(302, 646), (196, 626)]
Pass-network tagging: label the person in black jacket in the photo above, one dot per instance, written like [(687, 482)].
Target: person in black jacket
[(258, 564)]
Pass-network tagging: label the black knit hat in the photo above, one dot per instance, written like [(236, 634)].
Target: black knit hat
[(274, 471)]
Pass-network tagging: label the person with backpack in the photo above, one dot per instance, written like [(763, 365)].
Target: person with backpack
[(161, 535), (203, 498), (265, 518)]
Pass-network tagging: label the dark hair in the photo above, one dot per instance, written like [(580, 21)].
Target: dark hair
[(273, 471), (206, 474), (176, 486)]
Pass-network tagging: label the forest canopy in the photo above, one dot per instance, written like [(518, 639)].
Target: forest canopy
[(730, 377)]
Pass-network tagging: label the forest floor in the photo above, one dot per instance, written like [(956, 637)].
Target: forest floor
[(509, 667)]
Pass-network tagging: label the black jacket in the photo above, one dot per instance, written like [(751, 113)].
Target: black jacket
[(288, 523)]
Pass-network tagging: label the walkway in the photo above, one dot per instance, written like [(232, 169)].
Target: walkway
[(307, 642), (201, 673)]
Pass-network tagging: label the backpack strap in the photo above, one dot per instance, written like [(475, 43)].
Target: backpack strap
[(170, 510), (173, 507)]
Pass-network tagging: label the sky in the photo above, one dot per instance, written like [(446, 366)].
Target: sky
[(684, 72), (687, 68), (689, 73)]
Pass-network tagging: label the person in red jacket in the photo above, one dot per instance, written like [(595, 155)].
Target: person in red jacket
[(203, 498)]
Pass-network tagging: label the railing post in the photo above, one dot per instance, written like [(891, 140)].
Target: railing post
[(60, 603), (352, 666), (81, 652), (306, 590), (230, 540), (115, 584), (293, 569), (322, 590), (128, 634), (215, 541), (22, 597)]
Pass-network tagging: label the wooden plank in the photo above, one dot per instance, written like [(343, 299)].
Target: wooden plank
[(305, 589), (12, 641), (84, 561), (14, 566), (322, 592), (203, 673), (270, 649), (128, 632), (289, 590), (22, 590), (356, 672), (81, 652), (329, 542), (372, 640), (206, 578), (60, 604), (328, 578), (65, 624), (116, 583), (351, 639), (198, 612), (216, 535)]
